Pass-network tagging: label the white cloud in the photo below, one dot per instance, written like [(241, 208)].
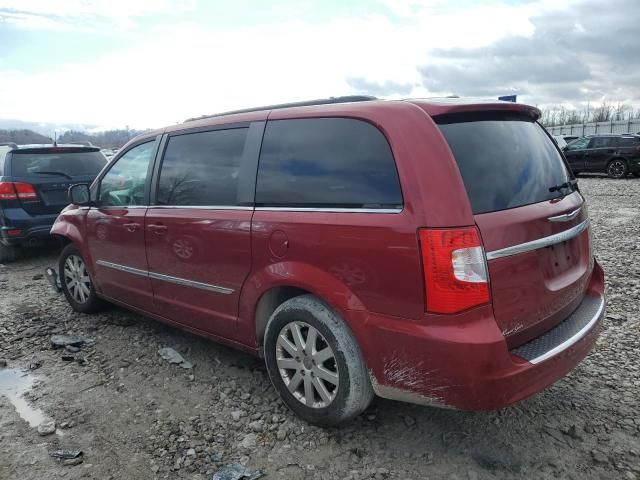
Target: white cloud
[(171, 73)]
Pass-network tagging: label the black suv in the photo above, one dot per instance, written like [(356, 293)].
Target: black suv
[(615, 155), (34, 180)]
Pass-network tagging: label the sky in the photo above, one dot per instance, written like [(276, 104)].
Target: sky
[(147, 64)]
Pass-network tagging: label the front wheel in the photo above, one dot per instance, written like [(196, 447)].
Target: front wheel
[(315, 363), (617, 168), (76, 283)]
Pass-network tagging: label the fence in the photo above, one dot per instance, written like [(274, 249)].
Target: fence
[(624, 126)]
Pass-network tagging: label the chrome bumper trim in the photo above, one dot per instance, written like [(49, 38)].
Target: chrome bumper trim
[(539, 243)]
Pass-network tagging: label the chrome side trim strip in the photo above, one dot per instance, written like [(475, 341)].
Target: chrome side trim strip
[(166, 278), (539, 243), (190, 283), (123, 268), (576, 338), (566, 216), (202, 207), (329, 210)]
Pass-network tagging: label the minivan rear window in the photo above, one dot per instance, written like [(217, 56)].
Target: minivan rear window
[(73, 164), (506, 161)]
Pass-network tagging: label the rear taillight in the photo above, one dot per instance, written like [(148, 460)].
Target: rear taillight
[(455, 269), (15, 190), (25, 191), (7, 192)]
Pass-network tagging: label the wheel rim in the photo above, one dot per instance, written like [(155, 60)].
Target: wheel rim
[(616, 169), (307, 365), (76, 278)]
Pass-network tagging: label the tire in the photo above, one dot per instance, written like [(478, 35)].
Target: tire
[(8, 253), (617, 168), (333, 404), (76, 283)]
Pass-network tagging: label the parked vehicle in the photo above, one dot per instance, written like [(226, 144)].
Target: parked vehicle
[(615, 155), (429, 251), (570, 138), (34, 180)]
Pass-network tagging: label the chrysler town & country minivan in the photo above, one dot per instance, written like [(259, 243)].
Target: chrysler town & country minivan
[(429, 251)]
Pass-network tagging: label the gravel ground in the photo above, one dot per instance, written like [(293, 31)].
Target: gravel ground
[(136, 416)]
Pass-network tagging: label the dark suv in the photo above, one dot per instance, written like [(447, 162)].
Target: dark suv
[(34, 180), (436, 252), (615, 155)]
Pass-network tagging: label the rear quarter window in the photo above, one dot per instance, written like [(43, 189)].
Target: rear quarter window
[(505, 161), (326, 162)]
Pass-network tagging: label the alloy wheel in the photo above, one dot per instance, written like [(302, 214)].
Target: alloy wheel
[(76, 278), (617, 169), (307, 364)]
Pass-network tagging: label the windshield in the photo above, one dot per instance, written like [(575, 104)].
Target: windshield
[(79, 163), (505, 161)]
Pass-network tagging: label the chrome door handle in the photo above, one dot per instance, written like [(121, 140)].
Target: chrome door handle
[(131, 227), (158, 229)]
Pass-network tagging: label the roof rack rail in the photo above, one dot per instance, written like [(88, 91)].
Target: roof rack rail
[(307, 103), (9, 144)]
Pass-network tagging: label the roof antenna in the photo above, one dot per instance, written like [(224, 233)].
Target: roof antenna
[(55, 139)]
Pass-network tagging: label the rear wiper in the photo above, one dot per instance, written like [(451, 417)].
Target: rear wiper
[(62, 174), (571, 185)]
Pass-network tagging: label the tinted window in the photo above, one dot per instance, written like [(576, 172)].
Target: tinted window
[(579, 144), (326, 162), (628, 141), (123, 185), (70, 163), (202, 168), (505, 162), (601, 142)]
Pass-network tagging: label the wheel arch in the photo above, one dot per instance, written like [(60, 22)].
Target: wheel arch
[(269, 287)]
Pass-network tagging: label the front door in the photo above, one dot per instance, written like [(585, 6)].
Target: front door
[(197, 233), (115, 229), (574, 153)]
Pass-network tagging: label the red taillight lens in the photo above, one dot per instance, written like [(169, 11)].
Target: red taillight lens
[(25, 191), (7, 191), (15, 190), (455, 271)]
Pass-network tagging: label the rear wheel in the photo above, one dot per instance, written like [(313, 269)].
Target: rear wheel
[(76, 283), (617, 168), (8, 253), (314, 362)]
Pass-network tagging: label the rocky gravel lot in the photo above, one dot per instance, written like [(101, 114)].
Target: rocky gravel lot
[(136, 416)]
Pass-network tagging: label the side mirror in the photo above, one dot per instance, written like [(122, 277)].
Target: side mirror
[(79, 194)]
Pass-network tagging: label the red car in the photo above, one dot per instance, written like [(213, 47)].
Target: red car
[(429, 251)]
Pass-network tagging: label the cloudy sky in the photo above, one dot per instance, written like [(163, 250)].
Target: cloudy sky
[(151, 63)]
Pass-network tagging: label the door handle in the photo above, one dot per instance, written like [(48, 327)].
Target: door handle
[(157, 228), (131, 227)]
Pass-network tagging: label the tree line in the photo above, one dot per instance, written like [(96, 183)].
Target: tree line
[(109, 139), (605, 112)]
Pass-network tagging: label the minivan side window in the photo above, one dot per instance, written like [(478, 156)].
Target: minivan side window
[(601, 142), (123, 184), (202, 169), (324, 163), (628, 141), (579, 144)]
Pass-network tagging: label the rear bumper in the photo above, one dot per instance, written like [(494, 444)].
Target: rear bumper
[(468, 365), (31, 227)]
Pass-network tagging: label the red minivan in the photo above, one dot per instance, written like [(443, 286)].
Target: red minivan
[(429, 251)]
